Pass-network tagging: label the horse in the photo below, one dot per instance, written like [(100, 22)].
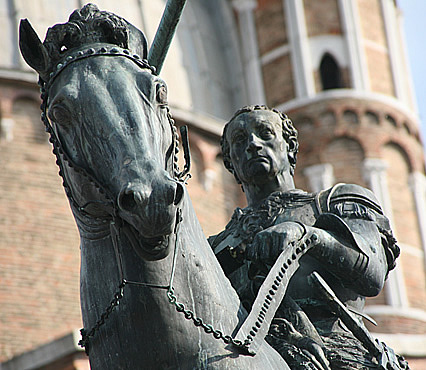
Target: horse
[(153, 295)]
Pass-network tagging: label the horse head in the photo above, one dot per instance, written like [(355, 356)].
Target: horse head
[(108, 118)]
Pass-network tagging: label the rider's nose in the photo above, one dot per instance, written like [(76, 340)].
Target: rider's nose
[(254, 145)]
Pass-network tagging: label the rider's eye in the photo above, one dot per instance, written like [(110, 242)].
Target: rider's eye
[(267, 133), (59, 114), (238, 137), (162, 94)]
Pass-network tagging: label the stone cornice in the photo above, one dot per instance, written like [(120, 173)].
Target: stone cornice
[(18, 75), (412, 345), (45, 354), (406, 312), (351, 94), (201, 121)]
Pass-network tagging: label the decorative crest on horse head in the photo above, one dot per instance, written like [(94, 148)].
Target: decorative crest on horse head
[(84, 27)]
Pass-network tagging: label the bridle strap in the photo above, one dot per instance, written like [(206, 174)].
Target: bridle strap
[(186, 152), (116, 223), (116, 226)]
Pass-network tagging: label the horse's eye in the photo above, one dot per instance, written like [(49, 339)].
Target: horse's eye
[(162, 94), (60, 114)]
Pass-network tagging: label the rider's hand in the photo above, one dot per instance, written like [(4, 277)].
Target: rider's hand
[(314, 352), (269, 243), (284, 329)]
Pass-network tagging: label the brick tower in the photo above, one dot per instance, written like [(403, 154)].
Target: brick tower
[(336, 67)]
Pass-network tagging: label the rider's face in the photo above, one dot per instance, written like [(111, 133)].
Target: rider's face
[(257, 147)]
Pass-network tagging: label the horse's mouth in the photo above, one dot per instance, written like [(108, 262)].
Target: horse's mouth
[(147, 248)]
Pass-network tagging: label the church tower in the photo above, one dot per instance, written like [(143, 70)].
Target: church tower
[(338, 69)]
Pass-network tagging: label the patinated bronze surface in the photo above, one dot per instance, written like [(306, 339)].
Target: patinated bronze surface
[(318, 324), (153, 295)]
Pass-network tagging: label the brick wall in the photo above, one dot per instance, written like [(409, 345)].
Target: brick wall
[(379, 71), (402, 199), (327, 23), (371, 21), (270, 25), (375, 46), (39, 243), (397, 324), (213, 190), (416, 363), (346, 155), (278, 80)]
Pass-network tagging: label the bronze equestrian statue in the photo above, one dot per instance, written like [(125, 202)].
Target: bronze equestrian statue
[(153, 294)]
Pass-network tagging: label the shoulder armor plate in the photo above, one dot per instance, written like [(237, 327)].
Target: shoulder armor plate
[(340, 193)]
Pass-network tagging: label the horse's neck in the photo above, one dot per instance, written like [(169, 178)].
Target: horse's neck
[(147, 329), (198, 282), (198, 259)]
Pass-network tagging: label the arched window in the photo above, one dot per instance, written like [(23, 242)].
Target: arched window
[(331, 77)]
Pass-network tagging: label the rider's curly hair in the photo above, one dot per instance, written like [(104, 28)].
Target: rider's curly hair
[(289, 134)]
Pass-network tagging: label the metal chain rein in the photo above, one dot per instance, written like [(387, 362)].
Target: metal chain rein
[(180, 307), (217, 334)]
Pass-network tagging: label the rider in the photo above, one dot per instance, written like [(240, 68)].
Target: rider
[(354, 253)]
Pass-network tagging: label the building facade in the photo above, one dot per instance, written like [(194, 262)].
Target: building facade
[(336, 67)]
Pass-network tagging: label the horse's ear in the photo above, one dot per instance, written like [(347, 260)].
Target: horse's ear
[(32, 49)]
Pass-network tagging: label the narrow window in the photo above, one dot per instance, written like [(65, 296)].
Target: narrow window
[(330, 73)]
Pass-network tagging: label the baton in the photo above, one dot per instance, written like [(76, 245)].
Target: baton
[(165, 32)]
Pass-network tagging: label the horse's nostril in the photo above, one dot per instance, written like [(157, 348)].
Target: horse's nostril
[(129, 200), (178, 194)]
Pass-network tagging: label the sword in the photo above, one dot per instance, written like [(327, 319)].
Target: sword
[(165, 32), (387, 359)]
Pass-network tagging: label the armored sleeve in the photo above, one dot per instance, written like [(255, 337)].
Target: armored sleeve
[(362, 249)]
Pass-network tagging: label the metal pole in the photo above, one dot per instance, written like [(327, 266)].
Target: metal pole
[(165, 32)]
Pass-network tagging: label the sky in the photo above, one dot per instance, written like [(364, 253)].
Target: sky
[(414, 12)]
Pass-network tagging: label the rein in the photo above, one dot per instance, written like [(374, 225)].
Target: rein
[(115, 227)]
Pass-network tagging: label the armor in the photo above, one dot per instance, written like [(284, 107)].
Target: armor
[(355, 254)]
